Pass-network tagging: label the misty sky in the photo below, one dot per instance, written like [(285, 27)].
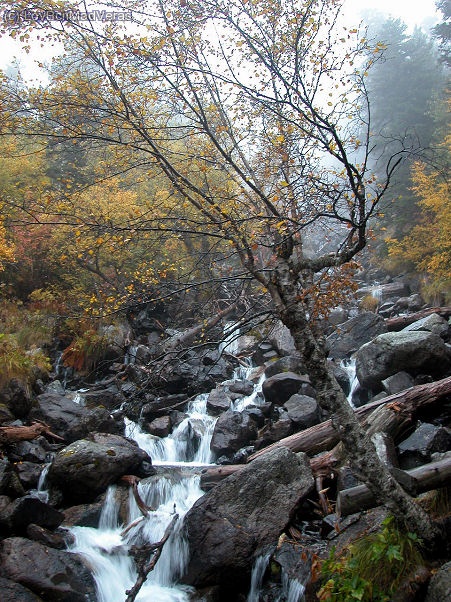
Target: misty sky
[(412, 12)]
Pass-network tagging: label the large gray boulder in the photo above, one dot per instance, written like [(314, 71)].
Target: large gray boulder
[(244, 513), (279, 388), (392, 352), (233, 430), (71, 420), (433, 323), (14, 592), (54, 575), (85, 468), (303, 411), (352, 334)]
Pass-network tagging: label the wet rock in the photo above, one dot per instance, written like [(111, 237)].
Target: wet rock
[(108, 398), (55, 539), (439, 588), (14, 592), (85, 468), (393, 352), (160, 427), (433, 323), (20, 513), (243, 387), (352, 334), (31, 451), (28, 473), (275, 431), (9, 481), (54, 575), (279, 388), (16, 396), (303, 411), (218, 401), (256, 414), (424, 441), (289, 363), (398, 382), (233, 430), (226, 528), (70, 420), (160, 405), (415, 302), (83, 515), (280, 337)]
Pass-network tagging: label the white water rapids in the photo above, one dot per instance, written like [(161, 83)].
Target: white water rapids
[(174, 488)]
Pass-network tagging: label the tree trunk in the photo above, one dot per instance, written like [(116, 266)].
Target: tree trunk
[(427, 477), (358, 445)]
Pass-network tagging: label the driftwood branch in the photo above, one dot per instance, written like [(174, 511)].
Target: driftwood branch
[(13, 434), (400, 322), (145, 565), (426, 477)]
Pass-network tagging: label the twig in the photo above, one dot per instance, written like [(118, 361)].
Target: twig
[(141, 553)]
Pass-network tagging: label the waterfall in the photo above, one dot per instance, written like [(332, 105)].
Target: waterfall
[(172, 489), (258, 572), (231, 336), (348, 366), (293, 590)]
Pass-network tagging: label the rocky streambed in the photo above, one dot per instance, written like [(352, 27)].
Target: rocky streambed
[(74, 511)]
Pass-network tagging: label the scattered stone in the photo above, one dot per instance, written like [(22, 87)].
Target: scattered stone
[(439, 588), (432, 323), (303, 411), (53, 574), (233, 430), (243, 387), (352, 334), (289, 363), (14, 592), (218, 401), (393, 352), (26, 510), (16, 396), (85, 468), (398, 382), (160, 427), (280, 387), (424, 441), (280, 337)]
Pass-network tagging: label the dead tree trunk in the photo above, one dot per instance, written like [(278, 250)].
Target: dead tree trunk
[(13, 434), (426, 477)]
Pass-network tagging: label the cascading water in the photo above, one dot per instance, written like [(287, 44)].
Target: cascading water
[(258, 572), (348, 366)]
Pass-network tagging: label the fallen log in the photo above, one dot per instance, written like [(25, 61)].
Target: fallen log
[(14, 434), (399, 410), (400, 322), (426, 477)]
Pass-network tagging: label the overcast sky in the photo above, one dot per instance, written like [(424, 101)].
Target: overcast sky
[(412, 12)]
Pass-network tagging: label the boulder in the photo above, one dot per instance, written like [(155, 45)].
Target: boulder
[(393, 352), (439, 588), (242, 387), (233, 430), (28, 473), (281, 339), (9, 481), (422, 443), (279, 388), (54, 575), (398, 382), (227, 527), (14, 592), (275, 431), (303, 411), (218, 401), (288, 363), (85, 468), (352, 334), (160, 427), (16, 396), (70, 420), (27, 510), (432, 323)]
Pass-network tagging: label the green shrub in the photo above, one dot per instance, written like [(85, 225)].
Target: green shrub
[(372, 568)]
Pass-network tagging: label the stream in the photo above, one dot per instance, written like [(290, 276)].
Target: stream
[(178, 458)]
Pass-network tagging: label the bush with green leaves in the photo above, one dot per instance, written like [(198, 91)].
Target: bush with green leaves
[(373, 567), (16, 362)]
